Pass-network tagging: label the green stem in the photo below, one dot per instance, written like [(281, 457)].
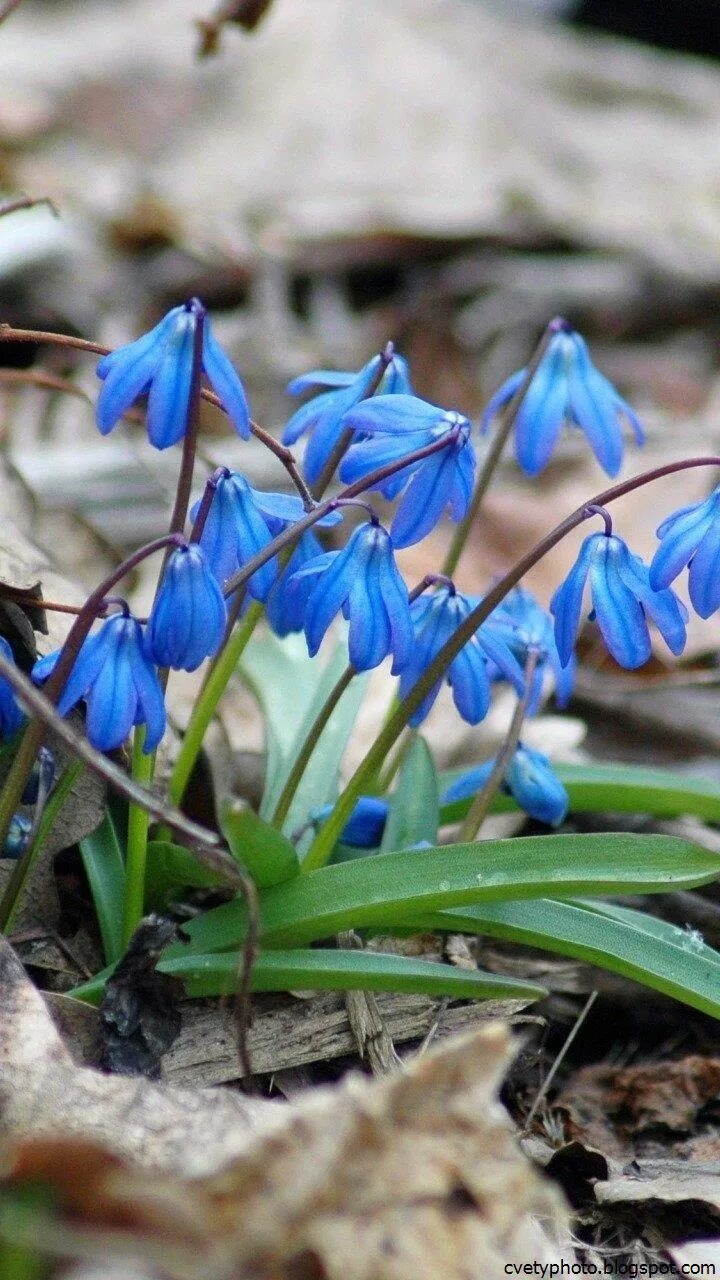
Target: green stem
[(492, 458), (480, 807), (13, 893), (138, 818), (206, 704), (313, 737)]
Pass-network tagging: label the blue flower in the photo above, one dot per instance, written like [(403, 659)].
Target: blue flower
[(161, 364), (436, 616), (622, 599), (287, 602), (11, 717), (691, 536), (241, 522), (390, 428), (525, 626), (566, 388), (188, 618), (529, 779), (364, 828), (364, 582), (118, 682), (323, 416)]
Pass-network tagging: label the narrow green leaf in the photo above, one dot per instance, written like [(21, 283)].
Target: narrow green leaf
[(385, 890), (614, 788), (105, 870), (414, 805), (638, 946), (268, 854), (170, 868), (214, 975)]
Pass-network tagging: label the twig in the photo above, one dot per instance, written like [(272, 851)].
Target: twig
[(543, 1090), (372, 1037)]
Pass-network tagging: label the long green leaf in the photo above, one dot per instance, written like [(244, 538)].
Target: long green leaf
[(628, 942), (414, 805), (105, 870), (215, 975), (614, 788), (267, 853), (385, 890), (170, 868)]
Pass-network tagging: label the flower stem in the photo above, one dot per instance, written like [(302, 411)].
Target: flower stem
[(204, 708), (311, 740), (189, 447), (138, 819), (370, 767), (494, 453), (480, 806)]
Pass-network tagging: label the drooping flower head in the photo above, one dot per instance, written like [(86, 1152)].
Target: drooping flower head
[(11, 716), (161, 365), (435, 617), (242, 521), (189, 615), (323, 416), (529, 779), (566, 389), (691, 536), (622, 603), (117, 680), (391, 427), (364, 583), (364, 828), (526, 627)]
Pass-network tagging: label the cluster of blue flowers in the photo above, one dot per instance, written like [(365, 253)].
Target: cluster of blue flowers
[(368, 424)]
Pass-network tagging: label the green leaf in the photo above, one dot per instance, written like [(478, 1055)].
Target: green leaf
[(386, 890), (326, 970), (613, 788), (105, 870), (414, 805), (170, 868), (628, 942), (268, 855)]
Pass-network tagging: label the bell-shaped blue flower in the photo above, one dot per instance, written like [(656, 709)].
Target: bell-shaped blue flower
[(566, 388), (390, 428), (323, 415), (529, 779), (287, 602), (691, 536), (161, 365), (436, 616), (364, 828), (234, 532), (119, 683), (11, 716), (623, 600), (364, 582), (526, 627), (188, 618)]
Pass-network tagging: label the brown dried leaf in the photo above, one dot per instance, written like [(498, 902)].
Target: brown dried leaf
[(408, 1178)]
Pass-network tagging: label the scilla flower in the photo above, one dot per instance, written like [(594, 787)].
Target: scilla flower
[(623, 600), (117, 680), (364, 828), (529, 779), (323, 416), (11, 717), (161, 364), (691, 536), (241, 522), (566, 389), (436, 616), (391, 427), (525, 626), (188, 618), (364, 583)]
